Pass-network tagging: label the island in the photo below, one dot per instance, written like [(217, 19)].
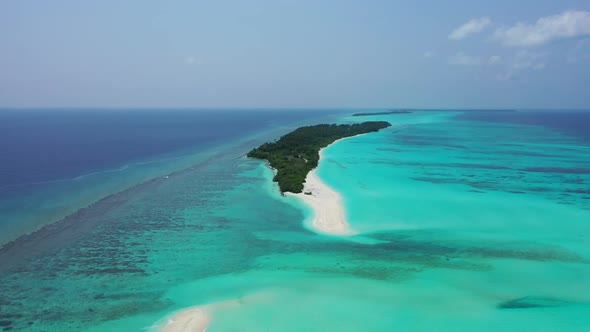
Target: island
[(383, 113), (297, 153)]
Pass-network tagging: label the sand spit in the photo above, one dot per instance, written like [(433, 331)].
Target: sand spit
[(195, 319), (329, 214)]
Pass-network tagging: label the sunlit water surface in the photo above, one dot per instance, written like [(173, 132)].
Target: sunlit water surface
[(467, 222)]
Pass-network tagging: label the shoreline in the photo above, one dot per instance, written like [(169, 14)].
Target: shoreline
[(195, 319), (198, 318), (329, 215), (39, 224)]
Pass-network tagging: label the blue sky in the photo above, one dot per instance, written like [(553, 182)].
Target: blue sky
[(288, 53)]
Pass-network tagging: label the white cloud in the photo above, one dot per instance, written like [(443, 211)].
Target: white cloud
[(473, 26), (568, 24)]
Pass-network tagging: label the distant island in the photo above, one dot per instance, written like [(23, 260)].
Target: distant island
[(297, 153), (383, 113)]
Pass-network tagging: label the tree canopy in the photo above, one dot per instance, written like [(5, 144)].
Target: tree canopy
[(297, 153)]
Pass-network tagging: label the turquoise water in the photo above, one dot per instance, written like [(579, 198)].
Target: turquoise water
[(460, 229)]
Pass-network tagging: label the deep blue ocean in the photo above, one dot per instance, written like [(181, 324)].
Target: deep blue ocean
[(54, 161), (50, 145)]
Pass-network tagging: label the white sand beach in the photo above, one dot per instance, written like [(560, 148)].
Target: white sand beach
[(198, 318), (195, 319), (329, 215)]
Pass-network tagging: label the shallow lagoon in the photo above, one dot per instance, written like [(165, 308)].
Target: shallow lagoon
[(458, 232)]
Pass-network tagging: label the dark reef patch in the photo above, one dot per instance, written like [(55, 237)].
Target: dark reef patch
[(412, 247), (528, 154), (440, 180), (579, 191), (529, 302), (559, 170)]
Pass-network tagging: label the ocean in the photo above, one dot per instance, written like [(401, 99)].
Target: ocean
[(466, 220), (55, 161)]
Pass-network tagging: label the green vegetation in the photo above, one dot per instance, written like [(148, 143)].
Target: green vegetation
[(297, 153)]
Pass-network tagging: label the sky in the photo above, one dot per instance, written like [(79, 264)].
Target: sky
[(295, 54)]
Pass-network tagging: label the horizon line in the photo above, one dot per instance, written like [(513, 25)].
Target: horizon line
[(269, 108)]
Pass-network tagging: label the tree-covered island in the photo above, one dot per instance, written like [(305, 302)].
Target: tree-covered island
[(297, 153)]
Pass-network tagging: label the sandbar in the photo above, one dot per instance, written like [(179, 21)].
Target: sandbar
[(329, 214), (194, 319)]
